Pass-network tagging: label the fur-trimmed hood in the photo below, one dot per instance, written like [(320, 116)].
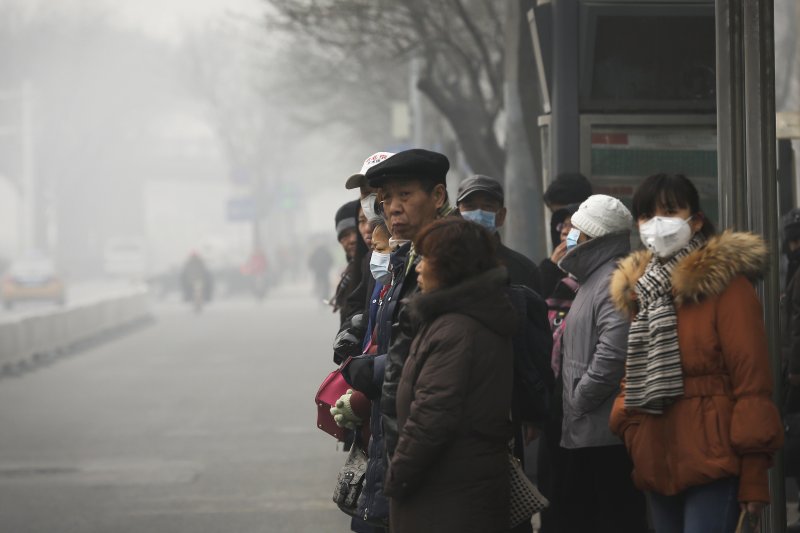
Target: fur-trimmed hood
[(481, 297), (703, 273)]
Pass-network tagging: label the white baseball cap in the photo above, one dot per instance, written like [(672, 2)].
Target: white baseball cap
[(358, 180)]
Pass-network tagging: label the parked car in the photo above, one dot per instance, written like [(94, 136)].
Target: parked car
[(32, 277)]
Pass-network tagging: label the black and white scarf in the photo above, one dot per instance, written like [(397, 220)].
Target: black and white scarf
[(653, 374)]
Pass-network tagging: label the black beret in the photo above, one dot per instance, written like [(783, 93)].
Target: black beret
[(415, 163), (347, 217)]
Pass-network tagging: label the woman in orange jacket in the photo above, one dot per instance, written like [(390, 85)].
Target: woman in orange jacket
[(695, 410)]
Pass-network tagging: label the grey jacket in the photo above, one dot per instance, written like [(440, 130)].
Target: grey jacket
[(594, 345)]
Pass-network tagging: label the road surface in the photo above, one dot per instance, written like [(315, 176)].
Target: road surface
[(198, 423)]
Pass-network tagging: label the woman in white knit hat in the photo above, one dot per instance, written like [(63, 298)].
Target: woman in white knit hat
[(597, 492)]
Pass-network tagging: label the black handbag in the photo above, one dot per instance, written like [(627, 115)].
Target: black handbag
[(351, 479)]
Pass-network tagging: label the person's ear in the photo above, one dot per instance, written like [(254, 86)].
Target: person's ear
[(500, 217), (696, 224), (439, 195)]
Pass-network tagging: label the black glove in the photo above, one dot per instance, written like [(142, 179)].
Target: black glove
[(349, 339)]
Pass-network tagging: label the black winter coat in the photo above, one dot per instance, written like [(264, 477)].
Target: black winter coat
[(399, 343), (449, 472), (521, 270)]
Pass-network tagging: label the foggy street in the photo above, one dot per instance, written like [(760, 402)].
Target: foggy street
[(197, 423)]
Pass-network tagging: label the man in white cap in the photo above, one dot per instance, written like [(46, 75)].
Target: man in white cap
[(369, 195), (348, 340), (596, 493)]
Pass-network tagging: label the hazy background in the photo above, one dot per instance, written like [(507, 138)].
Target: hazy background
[(151, 119)]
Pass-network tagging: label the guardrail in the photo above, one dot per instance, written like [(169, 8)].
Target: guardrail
[(23, 339)]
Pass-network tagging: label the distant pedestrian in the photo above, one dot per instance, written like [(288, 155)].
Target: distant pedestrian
[(696, 411), (449, 471), (320, 263), (597, 492)]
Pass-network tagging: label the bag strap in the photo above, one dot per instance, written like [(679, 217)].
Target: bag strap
[(570, 283)]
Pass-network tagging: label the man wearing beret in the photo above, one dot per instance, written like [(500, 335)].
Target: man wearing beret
[(414, 193)]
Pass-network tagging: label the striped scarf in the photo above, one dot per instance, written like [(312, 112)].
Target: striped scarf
[(653, 373)]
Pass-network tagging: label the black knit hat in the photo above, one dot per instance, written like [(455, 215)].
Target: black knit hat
[(568, 188), (415, 163), (347, 217)]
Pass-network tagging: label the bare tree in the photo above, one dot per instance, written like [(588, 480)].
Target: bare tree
[(459, 42)]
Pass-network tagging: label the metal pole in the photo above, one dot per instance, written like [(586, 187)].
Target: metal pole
[(747, 179), (730, 116), (565, 124), (762, 188)]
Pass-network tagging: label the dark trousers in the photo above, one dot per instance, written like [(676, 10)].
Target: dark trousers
[(550, 464), (597, 493)]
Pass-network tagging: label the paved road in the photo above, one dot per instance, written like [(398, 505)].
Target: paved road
[(199, 423)]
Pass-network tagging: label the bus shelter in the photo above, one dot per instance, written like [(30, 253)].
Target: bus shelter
[(630, 88)]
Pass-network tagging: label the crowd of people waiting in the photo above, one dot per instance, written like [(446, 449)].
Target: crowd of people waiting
[(653, 385)]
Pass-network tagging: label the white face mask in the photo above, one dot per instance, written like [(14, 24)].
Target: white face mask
[(379, 267), (665, 235), (368, 206)]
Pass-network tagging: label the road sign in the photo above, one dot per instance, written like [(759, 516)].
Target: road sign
[(241, 209)]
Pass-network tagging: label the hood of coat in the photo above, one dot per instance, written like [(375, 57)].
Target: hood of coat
[(703, 273), (587, 257), (482, 298)]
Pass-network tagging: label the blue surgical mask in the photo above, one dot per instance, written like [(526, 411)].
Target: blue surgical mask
[(379, 267), (479, 216), (572, 238)]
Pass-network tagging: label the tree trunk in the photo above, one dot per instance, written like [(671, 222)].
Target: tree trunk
[(477, 140)]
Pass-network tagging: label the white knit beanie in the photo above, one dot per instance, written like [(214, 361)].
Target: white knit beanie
[(600, 215)]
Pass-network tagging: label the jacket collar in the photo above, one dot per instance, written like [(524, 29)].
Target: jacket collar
[(704, 273), (480, 297), (587, 257)]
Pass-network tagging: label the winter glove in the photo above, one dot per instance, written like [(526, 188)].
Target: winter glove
[(343, 414), (348, 341)]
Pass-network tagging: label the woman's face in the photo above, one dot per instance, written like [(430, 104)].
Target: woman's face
[(426, 277), (565, 227), (380, 240), (696, 223), (363, 228)]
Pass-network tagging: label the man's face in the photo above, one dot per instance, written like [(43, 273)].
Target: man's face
[(408, 207), (348, 241), (364, 228), (485, 202)]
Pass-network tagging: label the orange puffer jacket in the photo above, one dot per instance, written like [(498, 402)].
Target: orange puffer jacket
[(726, 423)]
